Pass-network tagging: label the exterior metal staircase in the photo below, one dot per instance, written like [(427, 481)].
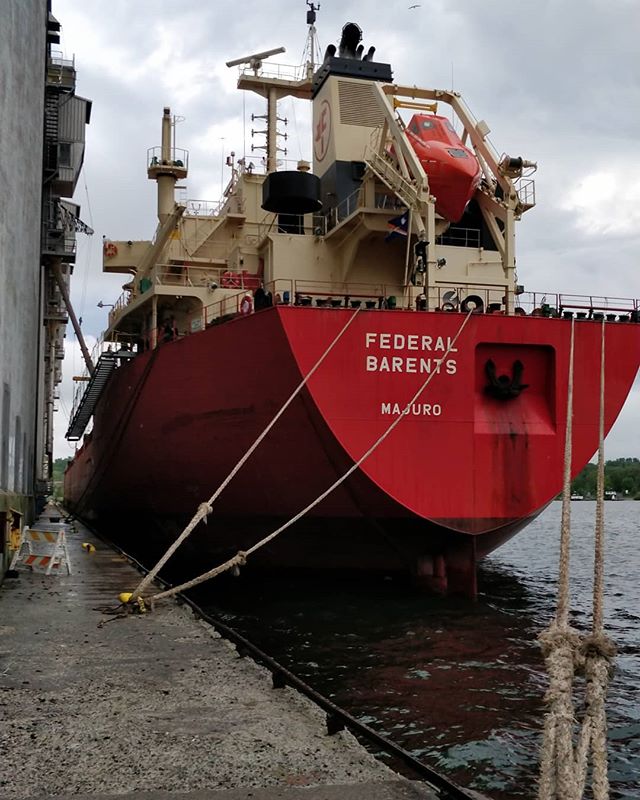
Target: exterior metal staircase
[(51, 135), (389, 175), (202, 233), (83, 413)]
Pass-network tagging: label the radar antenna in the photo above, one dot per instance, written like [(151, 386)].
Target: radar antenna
[(255, 59)]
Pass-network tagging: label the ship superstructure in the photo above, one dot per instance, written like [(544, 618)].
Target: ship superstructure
[(326, 223), (231, 305)]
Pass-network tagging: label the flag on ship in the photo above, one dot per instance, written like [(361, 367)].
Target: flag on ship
[(398, 226)]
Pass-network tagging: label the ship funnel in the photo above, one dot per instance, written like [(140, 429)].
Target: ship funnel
[(351, 38), (346, 115)]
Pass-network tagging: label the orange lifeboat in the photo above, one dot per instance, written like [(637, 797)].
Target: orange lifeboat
[(453, 170)]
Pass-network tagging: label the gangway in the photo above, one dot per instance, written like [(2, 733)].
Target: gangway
[(95, 386)]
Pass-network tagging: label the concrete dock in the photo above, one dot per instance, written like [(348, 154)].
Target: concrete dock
[(155, 706)]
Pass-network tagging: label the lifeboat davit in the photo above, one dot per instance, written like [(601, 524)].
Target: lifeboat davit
[(453, 170)]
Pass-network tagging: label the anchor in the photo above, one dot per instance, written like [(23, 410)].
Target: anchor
[(505, 387)]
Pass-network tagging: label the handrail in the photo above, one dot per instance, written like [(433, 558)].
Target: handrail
[(269, 69), (304, 292), (557, 304)]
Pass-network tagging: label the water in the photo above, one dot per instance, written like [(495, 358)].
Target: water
[(458, 683)]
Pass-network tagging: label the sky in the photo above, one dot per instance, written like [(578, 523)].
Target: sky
[(558, 82)]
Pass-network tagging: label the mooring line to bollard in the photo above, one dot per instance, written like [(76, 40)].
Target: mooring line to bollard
[(204, 509), (241, 557)]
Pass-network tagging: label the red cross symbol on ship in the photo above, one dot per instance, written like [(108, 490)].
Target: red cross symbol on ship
[(322, 125), (323, 131)]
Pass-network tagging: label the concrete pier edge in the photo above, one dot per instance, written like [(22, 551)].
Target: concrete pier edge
[(156, 707)]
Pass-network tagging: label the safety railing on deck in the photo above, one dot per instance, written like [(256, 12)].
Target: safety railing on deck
[(268, 69), (567, 306), (445, 297), (448, 297), (204, 208), (325, 222), (498, 298), (337, 294), (270, 225), (187, 275), (459, 237), (178, 157)]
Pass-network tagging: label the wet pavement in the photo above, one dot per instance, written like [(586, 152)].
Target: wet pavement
[(155, 706)]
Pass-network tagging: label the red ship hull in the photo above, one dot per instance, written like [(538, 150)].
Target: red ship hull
[(462, 472)]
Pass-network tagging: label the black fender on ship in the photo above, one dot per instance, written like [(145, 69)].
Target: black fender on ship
[(476, 303)]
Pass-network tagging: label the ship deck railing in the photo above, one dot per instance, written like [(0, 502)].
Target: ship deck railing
[(449, 296), (269, 224), (581, 306), (327, 221), (269, 69), (204, 208), (178, 157), (179, 273)]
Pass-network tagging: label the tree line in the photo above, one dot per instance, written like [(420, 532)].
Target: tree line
[(59, 466), (622, 476)]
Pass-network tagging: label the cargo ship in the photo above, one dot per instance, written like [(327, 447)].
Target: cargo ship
[(382, 278)]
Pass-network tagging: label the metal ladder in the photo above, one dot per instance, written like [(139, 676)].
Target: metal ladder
[(83, 413)]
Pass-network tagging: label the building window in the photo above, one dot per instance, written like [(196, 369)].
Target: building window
[(64, 154)]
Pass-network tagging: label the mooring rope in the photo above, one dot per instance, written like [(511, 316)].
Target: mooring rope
[(204, 509), (241, 557), (563, 765)]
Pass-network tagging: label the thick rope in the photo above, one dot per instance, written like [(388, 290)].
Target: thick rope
[(563, 767), (562, 610), (204, 509), (599, 649), (598, 565), (245, 554)]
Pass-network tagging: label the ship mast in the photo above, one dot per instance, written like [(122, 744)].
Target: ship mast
[(312, 38), (272, 88)]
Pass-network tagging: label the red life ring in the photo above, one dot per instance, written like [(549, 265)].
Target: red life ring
[(110, 250), (246, 305)]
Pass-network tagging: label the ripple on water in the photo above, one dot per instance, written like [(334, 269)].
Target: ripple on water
[(457, 683)]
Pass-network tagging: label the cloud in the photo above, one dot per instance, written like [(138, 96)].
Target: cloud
[(607, 201), (551, 85), (623, 440)]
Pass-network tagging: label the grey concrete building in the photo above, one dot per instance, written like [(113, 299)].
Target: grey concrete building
[(41, 151)]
